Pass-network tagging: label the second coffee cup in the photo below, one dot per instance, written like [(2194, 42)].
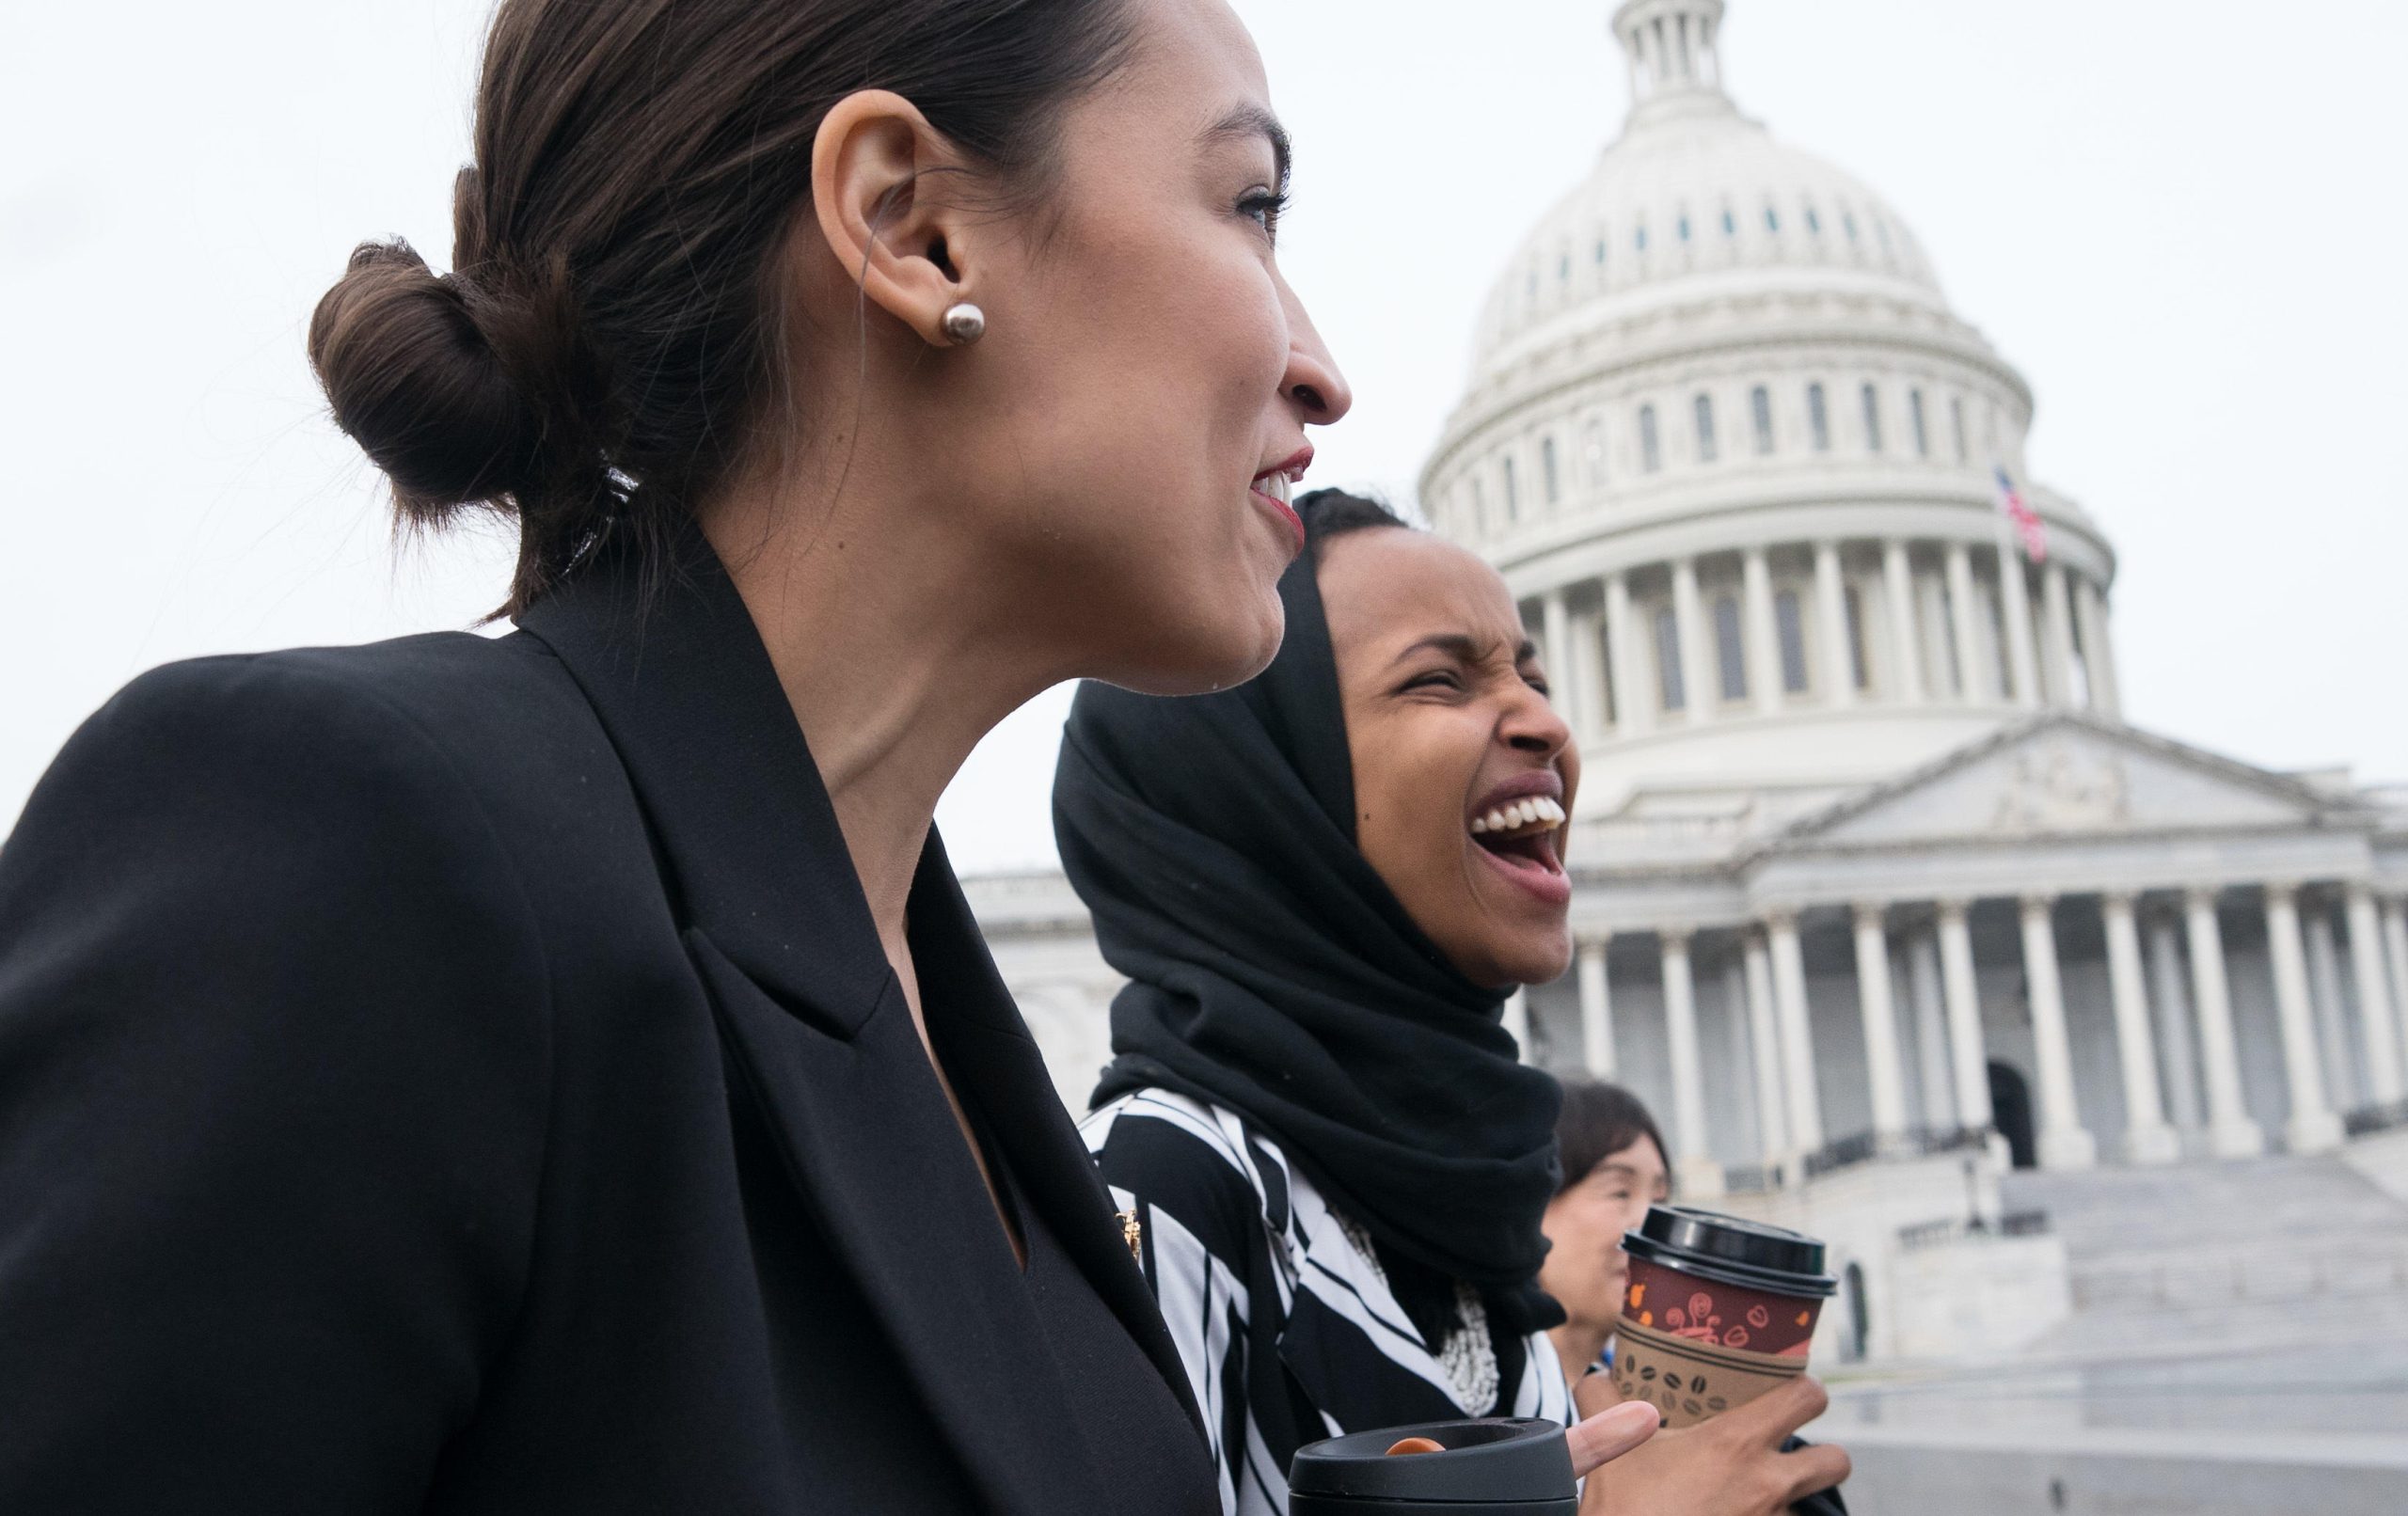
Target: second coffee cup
[(1718, 1311)]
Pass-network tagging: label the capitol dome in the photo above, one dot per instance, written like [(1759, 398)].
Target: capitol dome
[(1728, 441)]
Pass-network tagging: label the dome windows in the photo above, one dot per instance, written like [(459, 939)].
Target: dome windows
[(1685, 227), (1729, 223), (1651, 452), (1669, 683), (1592, 449), (1772, 219), (1789, 630), (1957, 424), (1759, 411), (1550, 477), (1814, 222), (1730, 653), (1705, 446), (1872, 398), (1848, 222), (1915, 420), (1638, 237), (1818, 419), (1512, 492)]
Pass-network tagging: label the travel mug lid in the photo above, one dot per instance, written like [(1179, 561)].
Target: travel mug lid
[(1730, 1250), (1496, 1459)]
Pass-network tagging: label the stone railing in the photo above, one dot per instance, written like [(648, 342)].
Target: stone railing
[(1955, 1229), (1916, 1141)]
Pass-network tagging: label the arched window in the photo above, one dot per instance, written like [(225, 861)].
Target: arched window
[(1548, 477), (1639, 239), (1478, 507), (1592, 449), (1730, 655), (1564, 269), (1847, 220), (1872, 419), (1601, 249), (1957, 423), (1760, 405), (1651, 454), (1705, 448), (1773, 220), (1512, 493), (1818, 419), (1853, 603), (1789, 628), (1814, 222), (1667, 660), (1730, 224), (1914, 415), (1685, 229)]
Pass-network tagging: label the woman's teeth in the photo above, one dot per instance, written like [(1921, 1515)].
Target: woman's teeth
[(1537, 814), (1279, 486)]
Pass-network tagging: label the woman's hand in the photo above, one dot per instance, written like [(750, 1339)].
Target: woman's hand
[(1730, 1466)]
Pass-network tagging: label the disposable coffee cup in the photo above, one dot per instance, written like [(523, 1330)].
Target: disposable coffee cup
[(1496, 1467), (1718, 1311)]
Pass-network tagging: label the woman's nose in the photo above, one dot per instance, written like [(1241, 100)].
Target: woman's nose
[(1535, 725), (1313, 382)]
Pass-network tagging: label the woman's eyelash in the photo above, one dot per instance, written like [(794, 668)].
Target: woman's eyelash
[(1265, 207)]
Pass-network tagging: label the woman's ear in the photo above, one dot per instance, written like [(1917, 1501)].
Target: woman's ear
[(878, 172)]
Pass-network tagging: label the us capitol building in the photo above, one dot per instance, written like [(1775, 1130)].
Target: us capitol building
[(1901, 930)]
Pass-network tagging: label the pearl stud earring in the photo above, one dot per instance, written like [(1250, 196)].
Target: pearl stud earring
[(964, 324)]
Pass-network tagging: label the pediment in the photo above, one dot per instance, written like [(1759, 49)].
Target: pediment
[(2066, 775)]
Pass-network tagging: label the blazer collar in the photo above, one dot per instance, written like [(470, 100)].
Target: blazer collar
[(678, 673), (758, 869)]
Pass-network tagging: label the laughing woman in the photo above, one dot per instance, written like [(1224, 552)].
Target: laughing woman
[(1322, 886)]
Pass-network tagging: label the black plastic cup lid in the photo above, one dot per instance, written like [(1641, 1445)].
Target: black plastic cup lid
[(1499, 1460), (1730, 1250)]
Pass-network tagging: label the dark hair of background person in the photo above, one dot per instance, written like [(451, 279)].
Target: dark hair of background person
[(609, 340), (1329, 514), (1599, 1120)]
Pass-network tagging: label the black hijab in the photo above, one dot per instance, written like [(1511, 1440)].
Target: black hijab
[(1273, 972)]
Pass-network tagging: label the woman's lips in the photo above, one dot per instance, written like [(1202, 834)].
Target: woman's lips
[(1284, 511), (1541, 874)]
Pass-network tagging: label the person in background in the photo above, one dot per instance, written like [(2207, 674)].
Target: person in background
[(1321, 886), (1613, 1166)]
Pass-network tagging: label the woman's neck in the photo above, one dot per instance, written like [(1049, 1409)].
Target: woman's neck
[(887, 637), (1579, 1345)]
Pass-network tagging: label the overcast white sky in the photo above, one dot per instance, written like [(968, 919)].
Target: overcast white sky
[(2183, 219)]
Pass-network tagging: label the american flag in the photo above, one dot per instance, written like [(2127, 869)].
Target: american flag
[(2028, 525)]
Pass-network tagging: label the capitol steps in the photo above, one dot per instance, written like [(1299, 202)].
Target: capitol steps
[(2269, 1250)]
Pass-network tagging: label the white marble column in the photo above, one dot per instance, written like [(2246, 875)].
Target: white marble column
[(1693, 1166), (2063, 1142), (1634, 696), (1556, 622), (2394, 955), (1836, 669), (1967, 1056), (2147, 1139), (1764, 1038), (1803, 1103), (2325, 998), (2377, 1023), (1882, 1069), (1905, 639), (2057, 635), (2170, 1001), (2014, 607), (1517, 1022), (2313, 1127), (1975, 677), (1764, 636), (2097, 652), (1933, 1078), (2230, 1132), (1596, 1010), (1588, 673), (1697, 674)]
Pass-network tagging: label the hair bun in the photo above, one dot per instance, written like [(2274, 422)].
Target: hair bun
[(408, 362)]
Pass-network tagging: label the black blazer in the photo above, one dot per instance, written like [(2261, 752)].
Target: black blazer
[(461, 1075)]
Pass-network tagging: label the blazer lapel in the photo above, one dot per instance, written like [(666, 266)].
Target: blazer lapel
[(987, 1049), (814, 1019)]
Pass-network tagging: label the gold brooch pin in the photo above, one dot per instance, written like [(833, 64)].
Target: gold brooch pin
[(1134, 1235)]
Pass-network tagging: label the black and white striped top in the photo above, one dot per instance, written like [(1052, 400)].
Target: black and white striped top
[(1283, 1309)]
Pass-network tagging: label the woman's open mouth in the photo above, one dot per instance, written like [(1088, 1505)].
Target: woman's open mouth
[(1521, 838), (1275, 487)]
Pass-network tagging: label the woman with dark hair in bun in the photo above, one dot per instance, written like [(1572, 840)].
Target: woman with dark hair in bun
[(1322, 886), (559, 1073)]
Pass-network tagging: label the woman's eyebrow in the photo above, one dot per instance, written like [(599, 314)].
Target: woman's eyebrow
[(1464, 648), (1252, 120)]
